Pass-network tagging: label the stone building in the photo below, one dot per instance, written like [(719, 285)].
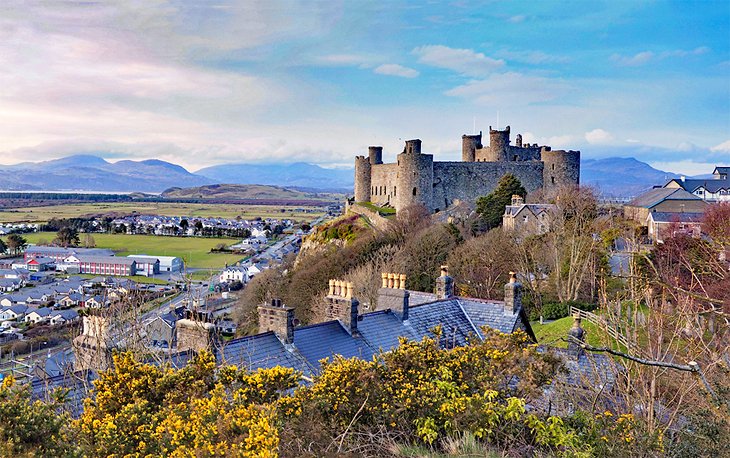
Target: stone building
[(415, 178), (527, 219)]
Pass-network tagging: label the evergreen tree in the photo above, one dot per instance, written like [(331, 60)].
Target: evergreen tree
[(491, 207), (16, 243)]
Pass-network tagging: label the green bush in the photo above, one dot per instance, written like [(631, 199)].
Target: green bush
[(557, 310)]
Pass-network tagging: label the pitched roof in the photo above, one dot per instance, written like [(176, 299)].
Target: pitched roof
[(667, 217), (655, 196), (262, 351), (710, 184), (721, 170), (106, 260), (324, 340)]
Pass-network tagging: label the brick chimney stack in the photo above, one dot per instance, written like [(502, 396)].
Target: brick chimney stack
[(444, 284), (341, 305), (278, 318), (393, 294), (517, 200), (512, 295)]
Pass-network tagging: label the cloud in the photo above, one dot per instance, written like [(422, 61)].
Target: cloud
[(532, 57), (359, 60), (645, 57), (396, 70), (510, 89), (631, 61), (723, 147), (517, 18), (464, 61), (598, 137)]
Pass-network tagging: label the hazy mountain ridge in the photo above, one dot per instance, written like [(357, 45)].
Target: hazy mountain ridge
[(614, 176)]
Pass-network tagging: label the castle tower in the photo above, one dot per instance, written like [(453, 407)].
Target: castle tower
[(561, 168), (414, 182), (363, 173), (469, 145), (375, 153), (518, 140), (499, 143)]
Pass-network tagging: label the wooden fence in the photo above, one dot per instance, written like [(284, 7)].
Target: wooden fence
[(607, 328)]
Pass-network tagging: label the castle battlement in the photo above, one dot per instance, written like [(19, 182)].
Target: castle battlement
[(416, 179)]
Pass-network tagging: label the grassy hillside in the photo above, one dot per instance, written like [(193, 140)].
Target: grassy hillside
[(45, 213), (194, 250), (238, 191)]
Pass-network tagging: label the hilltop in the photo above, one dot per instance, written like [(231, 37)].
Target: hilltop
[(239, 192)]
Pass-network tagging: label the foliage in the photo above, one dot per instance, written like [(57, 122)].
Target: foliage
[(143, 410), (427, 394), (491, 207), (481, 265), (16, 243), (67, 236), (557, 310), (31, 428)]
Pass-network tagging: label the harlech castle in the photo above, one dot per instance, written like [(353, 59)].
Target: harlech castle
[(415, 178)]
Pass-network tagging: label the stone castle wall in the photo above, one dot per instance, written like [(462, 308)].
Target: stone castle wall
[(468, 180), (415, 178)]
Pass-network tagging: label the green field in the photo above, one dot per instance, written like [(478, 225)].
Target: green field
[(194, 250), (553, 333), (230, 211)]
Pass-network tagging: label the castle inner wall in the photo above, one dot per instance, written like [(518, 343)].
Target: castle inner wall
[(468, 180), (383, 183)]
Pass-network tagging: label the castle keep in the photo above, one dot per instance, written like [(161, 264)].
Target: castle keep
[(416, 179)]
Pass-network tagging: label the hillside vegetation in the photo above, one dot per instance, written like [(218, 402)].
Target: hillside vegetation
[(239, 191)]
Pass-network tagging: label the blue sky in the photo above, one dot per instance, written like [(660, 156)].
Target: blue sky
[(203, 83)]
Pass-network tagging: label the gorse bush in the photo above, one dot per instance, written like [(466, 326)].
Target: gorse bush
[(416, 395)]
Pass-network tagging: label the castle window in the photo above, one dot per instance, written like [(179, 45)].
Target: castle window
[(552, 180), (414, 191), (395, 188), (553, 166)]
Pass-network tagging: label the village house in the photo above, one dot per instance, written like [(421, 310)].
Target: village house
[(716, 189), (527, 219), (36, 316), (233, 273), (61, 317), (662, 225), (14, 312), (665, 200)]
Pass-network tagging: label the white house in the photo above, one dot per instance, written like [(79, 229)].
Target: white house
[(234, 273), (63, 317), (13, 313), (167, 263), (40, 315)]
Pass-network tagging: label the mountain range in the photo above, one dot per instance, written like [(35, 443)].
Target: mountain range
[(619, 177)]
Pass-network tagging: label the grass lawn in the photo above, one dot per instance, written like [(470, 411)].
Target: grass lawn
[(134, 278), (551, 333), (230, 211), (195, 251)]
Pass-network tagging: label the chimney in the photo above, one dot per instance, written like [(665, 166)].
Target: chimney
[(576, 337), (517, 200), (682, 178), (393, 295), (512, 295), (444, 284), (341, 305), (278, 318)]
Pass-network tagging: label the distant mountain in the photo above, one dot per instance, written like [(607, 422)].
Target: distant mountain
[(621, 176), (238, 191), (299, 174), (91, 173)]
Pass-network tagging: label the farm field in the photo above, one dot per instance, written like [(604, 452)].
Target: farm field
[(194, 250), (229, 211)]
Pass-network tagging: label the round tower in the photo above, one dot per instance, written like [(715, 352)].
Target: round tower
[(414, 182), (375, 153), (469, 146), (499, 143), (561, 168), (362, 179)]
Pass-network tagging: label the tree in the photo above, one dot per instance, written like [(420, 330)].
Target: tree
[(184, 224), (491, 207), (89, 241), (68, 236), (3, 247), (16, 243)]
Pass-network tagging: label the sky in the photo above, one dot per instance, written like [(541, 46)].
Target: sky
[(201, 83)]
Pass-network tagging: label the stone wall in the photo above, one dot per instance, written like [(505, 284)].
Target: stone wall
[(375, 219), (468, 180), (383, 184)]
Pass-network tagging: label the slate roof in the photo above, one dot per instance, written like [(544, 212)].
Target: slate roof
[(592, 370), (655, 196), (668, 217), (324, 340), (79, 387), (106, 260), (721, 170), (536, 209), (261, 351), (711, 185), (490, 313)]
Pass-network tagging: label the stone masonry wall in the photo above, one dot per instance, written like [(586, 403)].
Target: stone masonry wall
[(468, 180)]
